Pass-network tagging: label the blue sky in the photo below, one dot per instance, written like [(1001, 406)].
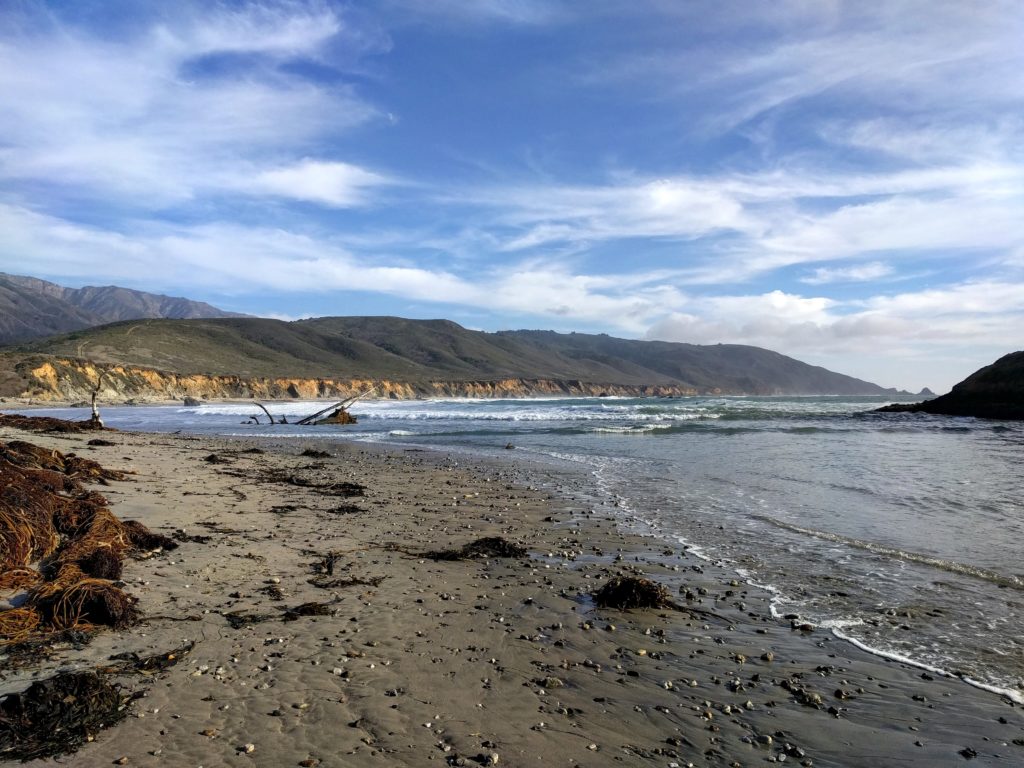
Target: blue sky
[(839, 181)]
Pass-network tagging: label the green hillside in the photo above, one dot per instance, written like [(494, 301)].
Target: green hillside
[(418, 350)]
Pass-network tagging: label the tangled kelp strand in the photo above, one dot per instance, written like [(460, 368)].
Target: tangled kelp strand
[(49, 424), (626, 592), (488, 546), (61, 543), (56, 716)]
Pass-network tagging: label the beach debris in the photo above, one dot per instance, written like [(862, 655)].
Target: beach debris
[(625, 592), (343, 583), (488, 546), (313, 453), (312, 608), (59, 542), (336, 413), (49, 424), (326, 563), (148, 665), (56, 716), (239, 619), (346, 509)]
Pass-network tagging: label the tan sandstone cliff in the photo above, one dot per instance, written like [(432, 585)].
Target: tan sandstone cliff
[(59, 380)]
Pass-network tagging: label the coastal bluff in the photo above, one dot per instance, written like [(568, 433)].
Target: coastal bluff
[(70, 380), (993, 392)]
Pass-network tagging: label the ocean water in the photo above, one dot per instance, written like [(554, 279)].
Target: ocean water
[(903, 533)]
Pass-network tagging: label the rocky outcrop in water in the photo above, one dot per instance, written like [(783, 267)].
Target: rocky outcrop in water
[(994, 392)]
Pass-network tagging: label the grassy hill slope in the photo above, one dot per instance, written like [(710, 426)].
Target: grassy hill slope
[(420, 350)]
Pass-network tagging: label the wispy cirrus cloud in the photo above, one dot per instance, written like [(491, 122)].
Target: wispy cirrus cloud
[(857, 273), (157, 120)]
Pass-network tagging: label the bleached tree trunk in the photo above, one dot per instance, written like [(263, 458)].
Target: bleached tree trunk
[(95, 419)]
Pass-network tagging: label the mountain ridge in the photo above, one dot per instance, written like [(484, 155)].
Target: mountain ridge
[(32, 308), (428, 353)]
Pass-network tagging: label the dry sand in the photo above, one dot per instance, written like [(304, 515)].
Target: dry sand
[(470, 662)]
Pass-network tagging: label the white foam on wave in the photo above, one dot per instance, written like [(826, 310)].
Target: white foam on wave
[(1015, 695)]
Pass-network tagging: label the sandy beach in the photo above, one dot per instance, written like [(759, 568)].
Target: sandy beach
[(463, 662)]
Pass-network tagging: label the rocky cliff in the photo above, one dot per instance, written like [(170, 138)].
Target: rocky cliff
[(993, 392), (59, 380)]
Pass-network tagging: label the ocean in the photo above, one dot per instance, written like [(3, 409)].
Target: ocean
[(902, 533)]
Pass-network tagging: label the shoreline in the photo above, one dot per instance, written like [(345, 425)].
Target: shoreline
[(641, 700)]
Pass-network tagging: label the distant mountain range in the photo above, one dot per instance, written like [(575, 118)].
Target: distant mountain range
[(425, 357), (31, 308)]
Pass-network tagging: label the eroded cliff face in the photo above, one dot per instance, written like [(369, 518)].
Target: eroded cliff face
[(71, 380)]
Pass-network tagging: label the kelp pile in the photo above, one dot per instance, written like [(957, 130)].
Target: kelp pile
[(49, 424), (626, 592), (60, 544), (58, 715), (488, 546)]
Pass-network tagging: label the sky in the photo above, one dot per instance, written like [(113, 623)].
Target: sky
[(842, 182)]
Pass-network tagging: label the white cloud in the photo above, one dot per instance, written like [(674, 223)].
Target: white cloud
[(139, 123), (857, 273), (523, 12), (229, 258), (912, 339), (338, 185)]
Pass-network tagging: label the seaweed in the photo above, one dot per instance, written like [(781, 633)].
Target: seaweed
[(324, 583), (625, 592), (148, 665), (101, 563), (86, 602), (57, 715), (327, 563), (47, 517), (312, 608), (346, 509), (239, 619), (312, 453), (180, 535), (144, 540), (49, 424), (488, 546)]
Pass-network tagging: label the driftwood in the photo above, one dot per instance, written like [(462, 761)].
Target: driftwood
[(95, 419), (336, 413)]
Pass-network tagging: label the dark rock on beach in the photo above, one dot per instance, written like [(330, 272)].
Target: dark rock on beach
[(994, 392)]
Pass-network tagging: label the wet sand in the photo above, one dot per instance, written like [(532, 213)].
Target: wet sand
[(473, 662)]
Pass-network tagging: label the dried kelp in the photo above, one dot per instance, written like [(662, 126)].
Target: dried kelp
[(488, 546), (49, 424), (323, 582), (239, 619), (625, 592), (312, 608), (56, 716), (148, 665), (62, 544)]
